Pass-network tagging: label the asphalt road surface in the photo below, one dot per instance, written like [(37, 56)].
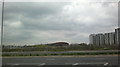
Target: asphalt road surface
[(73, 61)]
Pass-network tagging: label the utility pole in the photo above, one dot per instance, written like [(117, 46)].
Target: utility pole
[(2, 23)]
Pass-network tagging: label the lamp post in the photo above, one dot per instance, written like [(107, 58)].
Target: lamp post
[(2, 23)]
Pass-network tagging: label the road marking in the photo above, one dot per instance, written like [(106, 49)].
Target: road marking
[(15, 64), (50, 59), (106, 64), (76, 64), (86, 63), (42, 64)]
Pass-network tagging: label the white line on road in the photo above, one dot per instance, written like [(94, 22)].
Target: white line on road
[(15, 64), (76, 64), (42, 64), (106, 64), (50, 59)]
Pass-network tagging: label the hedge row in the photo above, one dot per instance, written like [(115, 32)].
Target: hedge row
[(62, 54)]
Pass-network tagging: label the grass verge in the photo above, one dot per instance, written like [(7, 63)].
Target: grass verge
[(63, 54)]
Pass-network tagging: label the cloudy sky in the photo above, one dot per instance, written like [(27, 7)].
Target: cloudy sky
[(48, 22)]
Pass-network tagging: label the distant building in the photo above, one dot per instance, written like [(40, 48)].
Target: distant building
[(106, 38), (117, 36), (11, 47), (112, 38), (107, 41), (92, 39), (97, 39), (102, 39), (59, 44)]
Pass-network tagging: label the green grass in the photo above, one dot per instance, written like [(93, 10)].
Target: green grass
[(61, 48), (63, 54)]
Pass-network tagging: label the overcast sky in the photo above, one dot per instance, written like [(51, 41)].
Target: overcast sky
[(48, 22)]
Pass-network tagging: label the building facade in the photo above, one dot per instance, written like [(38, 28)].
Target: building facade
[(92, 39), (102, 39), (107, 42), (112, 38), (117, 36), (97, 38)]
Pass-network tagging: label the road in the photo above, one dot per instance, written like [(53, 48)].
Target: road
[(106, 60)]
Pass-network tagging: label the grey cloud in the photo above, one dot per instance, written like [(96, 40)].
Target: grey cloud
[(50, 22), (32, 10)]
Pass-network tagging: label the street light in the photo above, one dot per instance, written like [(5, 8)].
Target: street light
[(2, 23)]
